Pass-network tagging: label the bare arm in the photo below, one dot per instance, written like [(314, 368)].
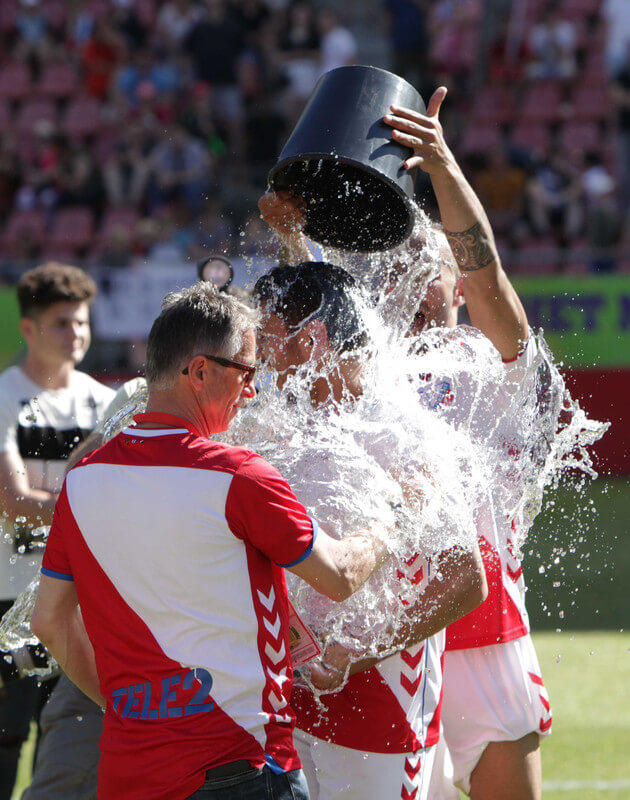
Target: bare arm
[(284, 214), (58, 624), (337, 568), (18, 498), (492, 302), (460, 588)]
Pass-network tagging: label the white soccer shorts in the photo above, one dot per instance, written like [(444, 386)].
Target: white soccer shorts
[(339, 772), (491, 694)]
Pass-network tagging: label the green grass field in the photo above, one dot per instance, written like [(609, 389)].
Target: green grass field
[(579, 607)]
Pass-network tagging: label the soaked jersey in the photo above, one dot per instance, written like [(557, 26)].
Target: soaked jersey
[(176, 546), (394, 707), (486, 411), (41, 426)]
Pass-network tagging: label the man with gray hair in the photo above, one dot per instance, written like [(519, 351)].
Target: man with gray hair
[(169, 607)]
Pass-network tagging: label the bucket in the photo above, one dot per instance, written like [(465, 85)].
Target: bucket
[(342, 161)]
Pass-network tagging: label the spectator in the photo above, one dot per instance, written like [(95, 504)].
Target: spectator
[(615, 12), (79, 178), (175, 21), (603, 221), (99, 57), (501, 187), (34, 41), (299, 51), (265, 129), (554, 194), (198, 119), (148, 75), (162, 243), (215, 45), (127, 170), (10, 172), (552, 45), (117, 252), (47, 408), (41, 169), (127, 23), (338, 45), (409, 39), (210, 234), (180, 168), (620, 92)]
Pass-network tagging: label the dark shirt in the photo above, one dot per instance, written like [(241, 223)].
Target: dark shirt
[(214, 48), (622, 80)]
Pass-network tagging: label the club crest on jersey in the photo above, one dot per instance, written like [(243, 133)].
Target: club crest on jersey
[(435, 392)]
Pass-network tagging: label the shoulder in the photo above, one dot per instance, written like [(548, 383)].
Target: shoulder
[(86, 383)]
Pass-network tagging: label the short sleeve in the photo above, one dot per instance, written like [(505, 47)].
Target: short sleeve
[(8, 428), (55, 563), (518, 366), (262, 510)]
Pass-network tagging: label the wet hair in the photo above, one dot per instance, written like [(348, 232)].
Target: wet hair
[(51, 283), (315, 290), (199, 319)]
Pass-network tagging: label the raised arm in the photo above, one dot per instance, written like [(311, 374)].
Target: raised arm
[(284, 214), (493, 305)]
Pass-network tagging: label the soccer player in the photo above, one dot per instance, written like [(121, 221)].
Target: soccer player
[(46, 408), (496, 708), (163, 594), (375, 738)]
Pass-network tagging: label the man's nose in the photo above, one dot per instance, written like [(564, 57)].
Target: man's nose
[(249, 391)]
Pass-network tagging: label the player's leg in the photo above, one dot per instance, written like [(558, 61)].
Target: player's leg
[(66, 766), (496, 710), (509, 771), (441, 785)]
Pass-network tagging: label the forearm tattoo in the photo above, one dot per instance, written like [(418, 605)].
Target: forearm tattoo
[(473, 249)]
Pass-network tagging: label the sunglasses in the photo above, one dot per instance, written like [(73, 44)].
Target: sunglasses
[(248, 369)]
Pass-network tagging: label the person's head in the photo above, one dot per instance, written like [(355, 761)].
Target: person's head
[(199, 351), (310, 312), (54, 302), (444, 295)]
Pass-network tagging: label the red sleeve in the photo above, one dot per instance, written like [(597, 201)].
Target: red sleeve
[(55, 563), (262, 509)]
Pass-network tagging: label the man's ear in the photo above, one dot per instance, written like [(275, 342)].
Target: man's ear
[(458, 295), (313, 339), (27, 329)]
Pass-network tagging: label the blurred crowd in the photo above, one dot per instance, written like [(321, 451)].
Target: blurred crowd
[(143, 131)]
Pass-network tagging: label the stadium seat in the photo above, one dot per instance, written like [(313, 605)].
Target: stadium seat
[(98, 8), (73, 228), (82, 118), (15, 81), (146, 11), (56, 13), (533, 137), (119, 217), (6, 118), (542, 103), (52, 251), (590, 103), (58, 81), (480, 139), (33, 112), (493, 105), (579, 8), (20, 221), (537, 257), (8, 13), (580, 136)]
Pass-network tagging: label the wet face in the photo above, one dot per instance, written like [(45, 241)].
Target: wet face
[(281, 349), (439, 307), (228, 388), (60, 334)]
